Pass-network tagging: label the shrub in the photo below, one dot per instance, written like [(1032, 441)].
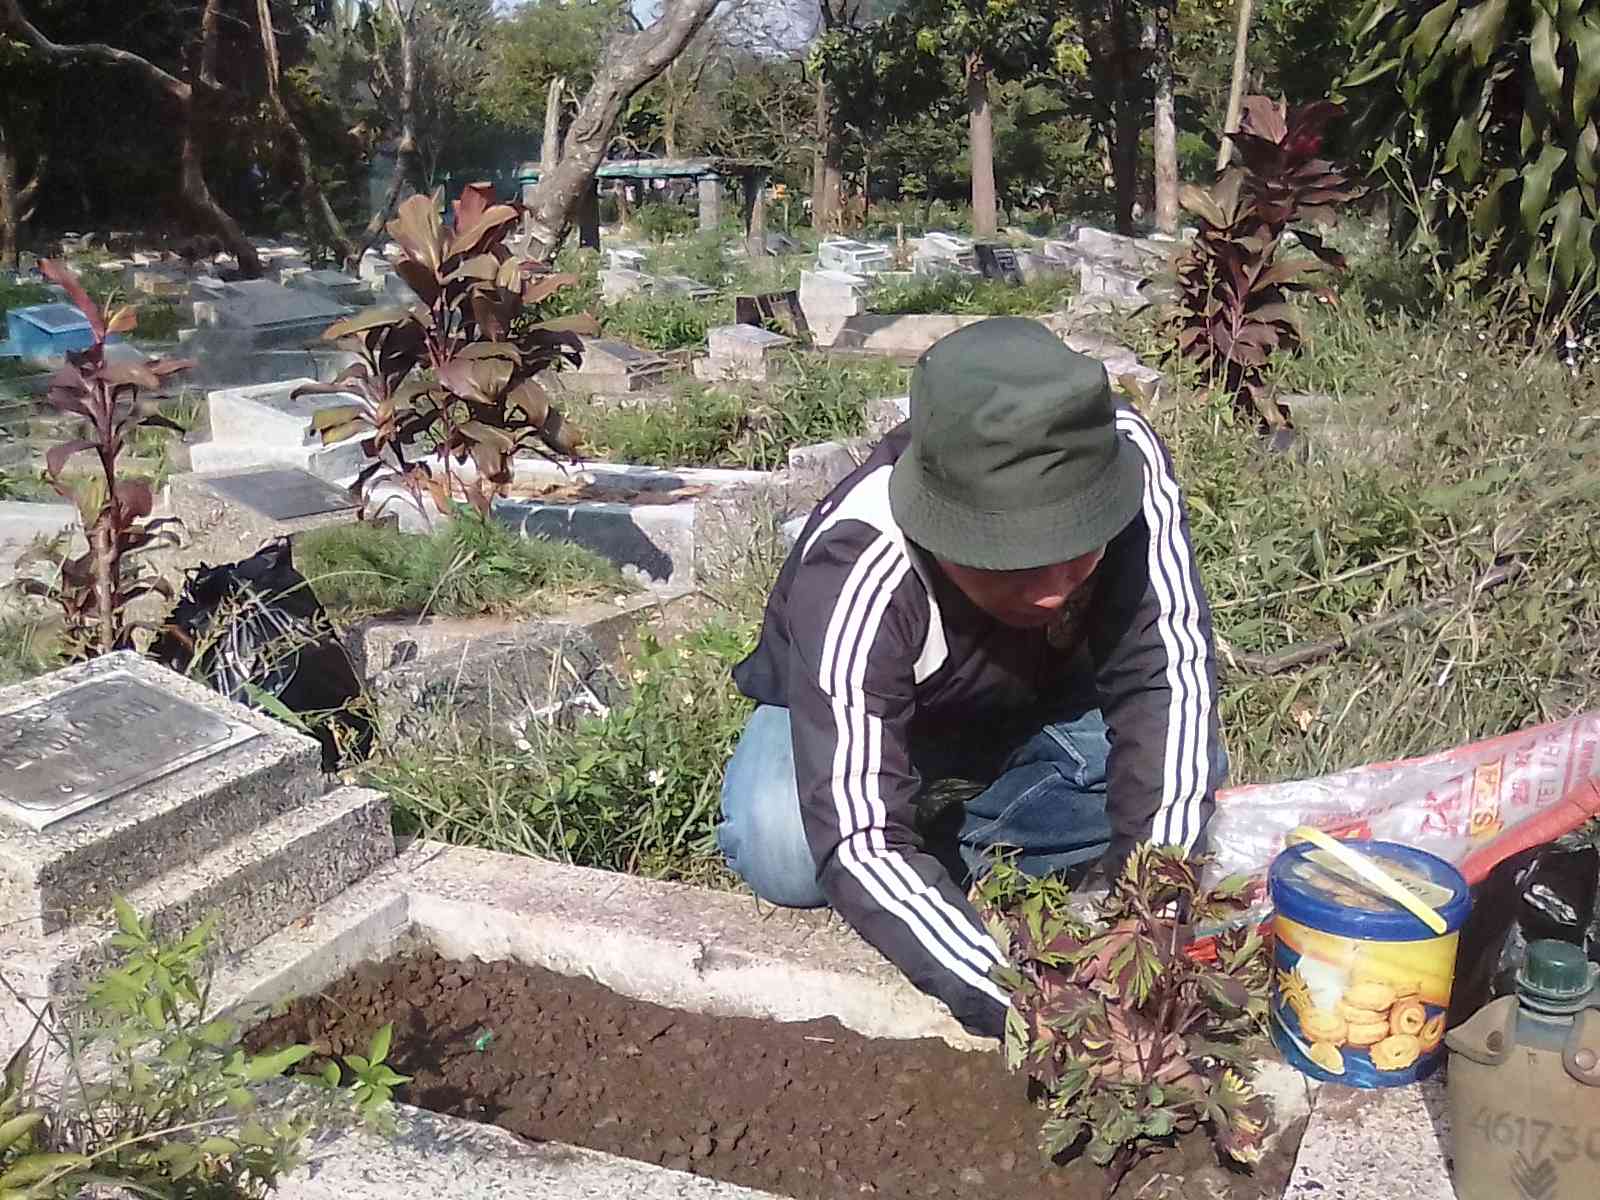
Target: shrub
[(1442, 451), (1130, 1040), (455, 376), (1233, 312), (91, 590), (466, 568), (177, 1107), (1491, 107), (659, 220)]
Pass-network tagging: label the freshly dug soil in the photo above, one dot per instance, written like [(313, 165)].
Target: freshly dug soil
[(805, 1110)]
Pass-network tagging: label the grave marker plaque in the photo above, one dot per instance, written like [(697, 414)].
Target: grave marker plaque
[(999, 262), (285, 495), (99, 740)]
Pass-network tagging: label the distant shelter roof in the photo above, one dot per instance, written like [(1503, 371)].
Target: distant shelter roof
[(658, 168)]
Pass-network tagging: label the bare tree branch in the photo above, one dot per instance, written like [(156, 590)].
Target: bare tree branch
[(14, 19), (629, 64)]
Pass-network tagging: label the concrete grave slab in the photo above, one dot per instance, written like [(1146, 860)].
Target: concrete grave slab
[(170, 771), (859, 258), (22, 523), (272, 314), (715, 952), (740, 352), (618, 283), (496, 685), (625, 258), (220, 529), (285, 495), (682, 285), (829, 298), (348, 290), (265, 424), (614, 365), (43, 331)]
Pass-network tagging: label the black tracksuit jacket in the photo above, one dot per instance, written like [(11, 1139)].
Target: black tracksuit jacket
[(875, 654)]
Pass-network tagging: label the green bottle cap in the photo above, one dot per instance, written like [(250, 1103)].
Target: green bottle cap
[(1555, 977)]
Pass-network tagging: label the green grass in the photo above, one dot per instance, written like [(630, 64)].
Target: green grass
[(1491, 456), (635, 790), (21, 295), (813, 400), (467, 568), (665, 322), (15, 368), (29, 645), (964, 294)]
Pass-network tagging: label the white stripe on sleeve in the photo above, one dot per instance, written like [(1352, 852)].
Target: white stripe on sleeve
[(945, 933), (1186, 769)]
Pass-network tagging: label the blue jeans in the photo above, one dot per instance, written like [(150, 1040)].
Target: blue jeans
[(1048, 802)]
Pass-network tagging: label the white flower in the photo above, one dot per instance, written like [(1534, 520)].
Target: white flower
[(688, 697), (523, 745), (656, 777)]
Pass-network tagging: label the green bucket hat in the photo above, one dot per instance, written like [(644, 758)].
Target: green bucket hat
[(1014, 460)]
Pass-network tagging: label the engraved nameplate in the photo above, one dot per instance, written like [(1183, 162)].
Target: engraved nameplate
[(100, 740), (285, 495)]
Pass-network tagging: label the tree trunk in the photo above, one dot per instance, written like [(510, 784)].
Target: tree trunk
[(827, 189), (980, 127), (550, 149), (190, 99), (1241, 60), (628, 65), (194, 192), (315, 209), (1125, 158), (10, 208), (1166, 130), (406, 158)]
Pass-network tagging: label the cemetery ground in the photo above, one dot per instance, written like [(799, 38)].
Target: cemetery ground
[(1421, 550)]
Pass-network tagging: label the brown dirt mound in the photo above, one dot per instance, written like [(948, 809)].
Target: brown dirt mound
[(807, 1110)]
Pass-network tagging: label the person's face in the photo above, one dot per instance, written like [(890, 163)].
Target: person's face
[(1027, 599)]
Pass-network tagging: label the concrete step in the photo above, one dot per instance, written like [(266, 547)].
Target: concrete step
[(257, 884), (187, 772)]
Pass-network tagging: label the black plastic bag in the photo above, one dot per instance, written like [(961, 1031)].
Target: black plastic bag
[(1550, 891), (255, 631)]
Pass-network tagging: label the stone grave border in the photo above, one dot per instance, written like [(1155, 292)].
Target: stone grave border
[(717, 952)]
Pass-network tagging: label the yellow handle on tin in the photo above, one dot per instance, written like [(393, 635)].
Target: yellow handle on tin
[(1371, 872)]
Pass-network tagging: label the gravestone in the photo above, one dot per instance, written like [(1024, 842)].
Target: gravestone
[(275, 315), (335, 285), (266, 424), (121, 778), (285, 495), (230, 515), (682, 285), (829, 299), (783, 308), (96, 741), (857, 258), (998, 262), (618, 283), (612, 365), (739, 352), (943, 254), (1103, 285), (164, 283), (625, 258), (779, 245), (47, 330)]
